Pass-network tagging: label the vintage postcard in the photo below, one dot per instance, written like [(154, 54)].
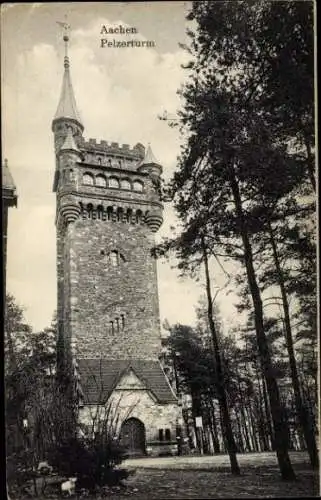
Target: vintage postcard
[(159, 236)]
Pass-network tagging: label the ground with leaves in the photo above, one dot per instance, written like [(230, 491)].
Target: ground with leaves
[(209, 477)]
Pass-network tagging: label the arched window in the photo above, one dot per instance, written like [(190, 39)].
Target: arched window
[(120, 213), (101, 181), (113, 182), (88, 179), (138, 186), (125, 184), (129, 215), (100, 212), (139, 215)]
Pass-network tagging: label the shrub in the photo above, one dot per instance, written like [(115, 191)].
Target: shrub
[(20, 473), (91, 460)]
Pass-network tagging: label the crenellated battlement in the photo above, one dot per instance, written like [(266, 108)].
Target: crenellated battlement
[(92, 145)]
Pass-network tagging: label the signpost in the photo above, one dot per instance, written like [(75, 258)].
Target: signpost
[(199, 422), (199, 427)]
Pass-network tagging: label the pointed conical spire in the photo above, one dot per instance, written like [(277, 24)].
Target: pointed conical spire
[(67, 107), (149, 158), (9, 194), (149, 163), (7, 180), (69, 142)]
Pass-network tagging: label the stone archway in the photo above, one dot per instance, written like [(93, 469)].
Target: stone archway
[(133, 437)]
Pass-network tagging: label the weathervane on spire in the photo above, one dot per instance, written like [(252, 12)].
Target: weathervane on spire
[(66, 26)]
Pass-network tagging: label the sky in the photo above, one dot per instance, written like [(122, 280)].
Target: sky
[(120, 93)]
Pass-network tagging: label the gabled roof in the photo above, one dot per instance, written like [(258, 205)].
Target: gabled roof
[(99, 377)]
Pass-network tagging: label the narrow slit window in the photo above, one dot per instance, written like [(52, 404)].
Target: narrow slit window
[(114, 259), (161, 434)]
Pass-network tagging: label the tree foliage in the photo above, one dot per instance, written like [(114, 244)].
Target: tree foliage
[(245, 178)]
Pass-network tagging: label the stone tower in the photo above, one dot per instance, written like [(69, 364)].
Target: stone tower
[(108, 210)]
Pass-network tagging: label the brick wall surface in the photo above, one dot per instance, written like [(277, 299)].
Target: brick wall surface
[(101, 293)]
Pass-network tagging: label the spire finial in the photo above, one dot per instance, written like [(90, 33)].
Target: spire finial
[(67, 103), (66, 28)]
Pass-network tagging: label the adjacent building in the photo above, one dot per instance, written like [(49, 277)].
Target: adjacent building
[(9, 199)]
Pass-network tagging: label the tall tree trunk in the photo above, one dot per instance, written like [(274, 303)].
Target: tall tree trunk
[(263, 438), (227, 427), (268, 414), (239, 436), (280, 424), (249, 412), (214, 430), (301, 409), (259, 401), (310, 162), (245, 427)]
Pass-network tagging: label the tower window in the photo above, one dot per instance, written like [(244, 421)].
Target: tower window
[(125, 184), (113, 182), (167, 434), (116, 258), (122, 317), (88, 179), (138, 186), (101, 181), (111, 327), (161, 434)]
